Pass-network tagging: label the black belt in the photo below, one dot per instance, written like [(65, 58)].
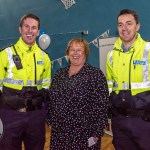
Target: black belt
[(143, 113), (127, 112), (22, 104), (131, 112)]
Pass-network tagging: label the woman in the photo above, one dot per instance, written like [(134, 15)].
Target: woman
[(78, 102)]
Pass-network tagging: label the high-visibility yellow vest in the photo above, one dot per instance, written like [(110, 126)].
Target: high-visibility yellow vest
[(36, 65), (129, 70)]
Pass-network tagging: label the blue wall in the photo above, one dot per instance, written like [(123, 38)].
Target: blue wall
[(61, 25)]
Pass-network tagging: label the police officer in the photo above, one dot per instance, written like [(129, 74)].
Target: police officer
[(128, 67), (24, 77)]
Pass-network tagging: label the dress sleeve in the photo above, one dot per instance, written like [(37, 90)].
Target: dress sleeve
[(99, 104), (49, 109)]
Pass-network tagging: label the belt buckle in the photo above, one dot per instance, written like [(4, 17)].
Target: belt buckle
[(24, 109)]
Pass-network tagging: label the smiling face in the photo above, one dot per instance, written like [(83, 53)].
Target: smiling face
[(127, 28), (77, 54), (29, 30)]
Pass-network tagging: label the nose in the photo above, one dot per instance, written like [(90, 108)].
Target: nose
[(124, 27), (30, 29), (75, 51)]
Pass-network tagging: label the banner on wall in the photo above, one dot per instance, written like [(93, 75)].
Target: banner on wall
[(103, 35), (95, 42), (105, 45)]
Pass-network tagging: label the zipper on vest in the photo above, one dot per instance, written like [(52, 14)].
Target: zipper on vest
[(34, 69), (130, 71)]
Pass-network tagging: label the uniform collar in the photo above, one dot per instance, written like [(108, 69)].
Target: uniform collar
[(24, 47), (137, 43)]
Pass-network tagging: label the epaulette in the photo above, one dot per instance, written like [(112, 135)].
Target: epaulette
[(6, 47)]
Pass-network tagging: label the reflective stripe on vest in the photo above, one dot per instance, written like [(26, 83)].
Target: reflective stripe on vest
[(145, 58), (46, 80), (31, 82), (133, 85), (109, 82), (140, 85), (146, 82), (11, 62), (110, 57), (20, 82)]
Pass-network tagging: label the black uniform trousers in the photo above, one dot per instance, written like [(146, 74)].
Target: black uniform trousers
[(28, 127), (130, 133)]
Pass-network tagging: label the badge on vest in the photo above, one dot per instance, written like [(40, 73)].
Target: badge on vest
[(139, 62), (41, 62)]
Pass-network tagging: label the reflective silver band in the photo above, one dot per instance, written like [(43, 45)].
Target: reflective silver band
[(20, 82), (46, 80), (145, 58), (140, 85), (133, 85), (11, 62), (13, 81)]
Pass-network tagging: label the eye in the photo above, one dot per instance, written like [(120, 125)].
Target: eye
[(71, 50), (128, 23), (119, 25), (34, 28), (79, 50), (26, 26)]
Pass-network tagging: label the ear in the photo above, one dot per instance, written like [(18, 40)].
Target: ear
[(20, 30), (38, 33), (138, 27)]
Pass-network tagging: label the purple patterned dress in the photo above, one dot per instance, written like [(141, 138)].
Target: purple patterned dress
[(77, 108)]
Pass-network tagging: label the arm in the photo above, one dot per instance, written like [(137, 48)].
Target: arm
[(3, 67), (51, 100), (109, 71), (99, 105), (47, 73)]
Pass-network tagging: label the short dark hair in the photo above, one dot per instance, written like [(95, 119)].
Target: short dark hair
[(30, 15), (129, 11)]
